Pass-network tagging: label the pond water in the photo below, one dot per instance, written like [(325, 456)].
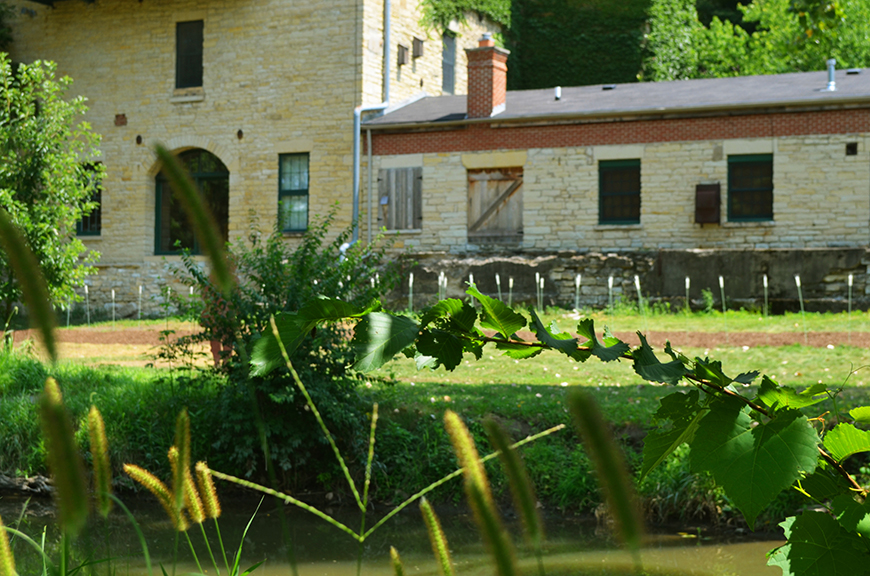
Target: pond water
[(575, 545)]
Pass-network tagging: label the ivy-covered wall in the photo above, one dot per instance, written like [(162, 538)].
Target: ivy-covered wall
[(574, 42)]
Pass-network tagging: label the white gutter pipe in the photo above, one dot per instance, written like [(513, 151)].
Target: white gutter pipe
[(357, 122)]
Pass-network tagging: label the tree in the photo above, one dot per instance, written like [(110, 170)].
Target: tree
[(47, 175), (789, 36)]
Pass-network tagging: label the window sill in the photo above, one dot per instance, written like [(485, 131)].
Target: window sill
[(185, 95), (294, 234), (89, 237), (405, 231), (748, 223), (598, 227)]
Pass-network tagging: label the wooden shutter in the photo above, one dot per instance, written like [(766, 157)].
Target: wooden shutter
[(400, 193), (495, 204)]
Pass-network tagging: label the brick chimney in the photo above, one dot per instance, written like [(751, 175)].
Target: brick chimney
[(487, 79)]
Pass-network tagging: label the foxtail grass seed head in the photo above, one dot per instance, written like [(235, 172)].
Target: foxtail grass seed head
[(64, 459), (210, 501), (7, 561), (396, 561), (191, 498), (153, 484), (100, 457), (466, 453), (437, 538), (182, 442)]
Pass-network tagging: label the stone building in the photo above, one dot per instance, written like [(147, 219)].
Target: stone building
[(258, 97), (740, 177)]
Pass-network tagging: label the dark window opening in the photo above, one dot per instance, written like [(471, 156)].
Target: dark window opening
[(619, 192), (851, 149), (91, 223), (448, 64), (188, 54), (750, 187), (173, 231), (293, 192)]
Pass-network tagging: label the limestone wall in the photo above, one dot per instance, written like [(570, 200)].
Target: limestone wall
[(821, 196)]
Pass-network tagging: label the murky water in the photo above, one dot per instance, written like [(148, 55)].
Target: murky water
[(574, 546)]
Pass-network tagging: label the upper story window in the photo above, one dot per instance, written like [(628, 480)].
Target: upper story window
[(188, 54), (448, 63), (293, 192), (173, 231), (619, 192), (750, 187), (91, 224)]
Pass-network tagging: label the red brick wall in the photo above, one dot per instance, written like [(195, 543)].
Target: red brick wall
[(477, 137), (487, 80)]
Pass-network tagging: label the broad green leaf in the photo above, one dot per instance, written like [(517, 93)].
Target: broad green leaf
[(753, 461), (444, 347), (610, 349), (824, 483), (458, 314), (423, 361), (851, 515), (561, 341), (861, 414), (780, 397), (819, 546), (380, 336), (518, 351), (29, 274), (685, 413), (712, 371), (845, 440), (651, 369), (747, 377), (294, 327), (609, 465), (496, 316)]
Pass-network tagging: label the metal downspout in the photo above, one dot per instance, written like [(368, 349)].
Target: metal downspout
[(357, 121), (371, 191)]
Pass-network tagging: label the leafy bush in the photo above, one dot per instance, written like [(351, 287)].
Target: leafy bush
[(274, 278)]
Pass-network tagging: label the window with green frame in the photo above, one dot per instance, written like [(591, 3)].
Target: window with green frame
[(91, 224), (750, 187), (619, 191), (293, 192), (172, 230), (188, 54)]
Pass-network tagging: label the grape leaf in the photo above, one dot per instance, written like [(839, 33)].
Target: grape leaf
[(845, 440), (460, 315), (518, 351), (611, 349), (496, 316), (712, 371), (380, 336), (818, 546), (753, 461), (685, 413), (561, 341), (861, 414), (780, 397), (444, 347), (293, 327), (747, 377), (824, 483), (851, 515), (651, 369)]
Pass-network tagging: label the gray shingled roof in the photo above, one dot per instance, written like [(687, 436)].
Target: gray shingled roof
[(780, 91)]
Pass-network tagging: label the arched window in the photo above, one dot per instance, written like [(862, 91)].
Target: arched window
[(172, 229)]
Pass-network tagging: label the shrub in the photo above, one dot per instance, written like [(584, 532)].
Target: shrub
[(274, 278)]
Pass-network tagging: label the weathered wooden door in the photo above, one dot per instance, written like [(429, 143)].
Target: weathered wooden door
[(400, 191), (495, 204)]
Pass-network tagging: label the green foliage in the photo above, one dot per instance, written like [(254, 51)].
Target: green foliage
[(44, 186), (574, 42), (293, 285), (439, 14), (773, 37), (755, 447)]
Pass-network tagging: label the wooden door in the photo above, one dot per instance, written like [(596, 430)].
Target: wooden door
[(495, 204)]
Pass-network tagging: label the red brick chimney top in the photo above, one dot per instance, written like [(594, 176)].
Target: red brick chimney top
[(487, 79)]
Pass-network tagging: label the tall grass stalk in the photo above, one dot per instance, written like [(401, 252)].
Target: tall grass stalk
[(437, 539)]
